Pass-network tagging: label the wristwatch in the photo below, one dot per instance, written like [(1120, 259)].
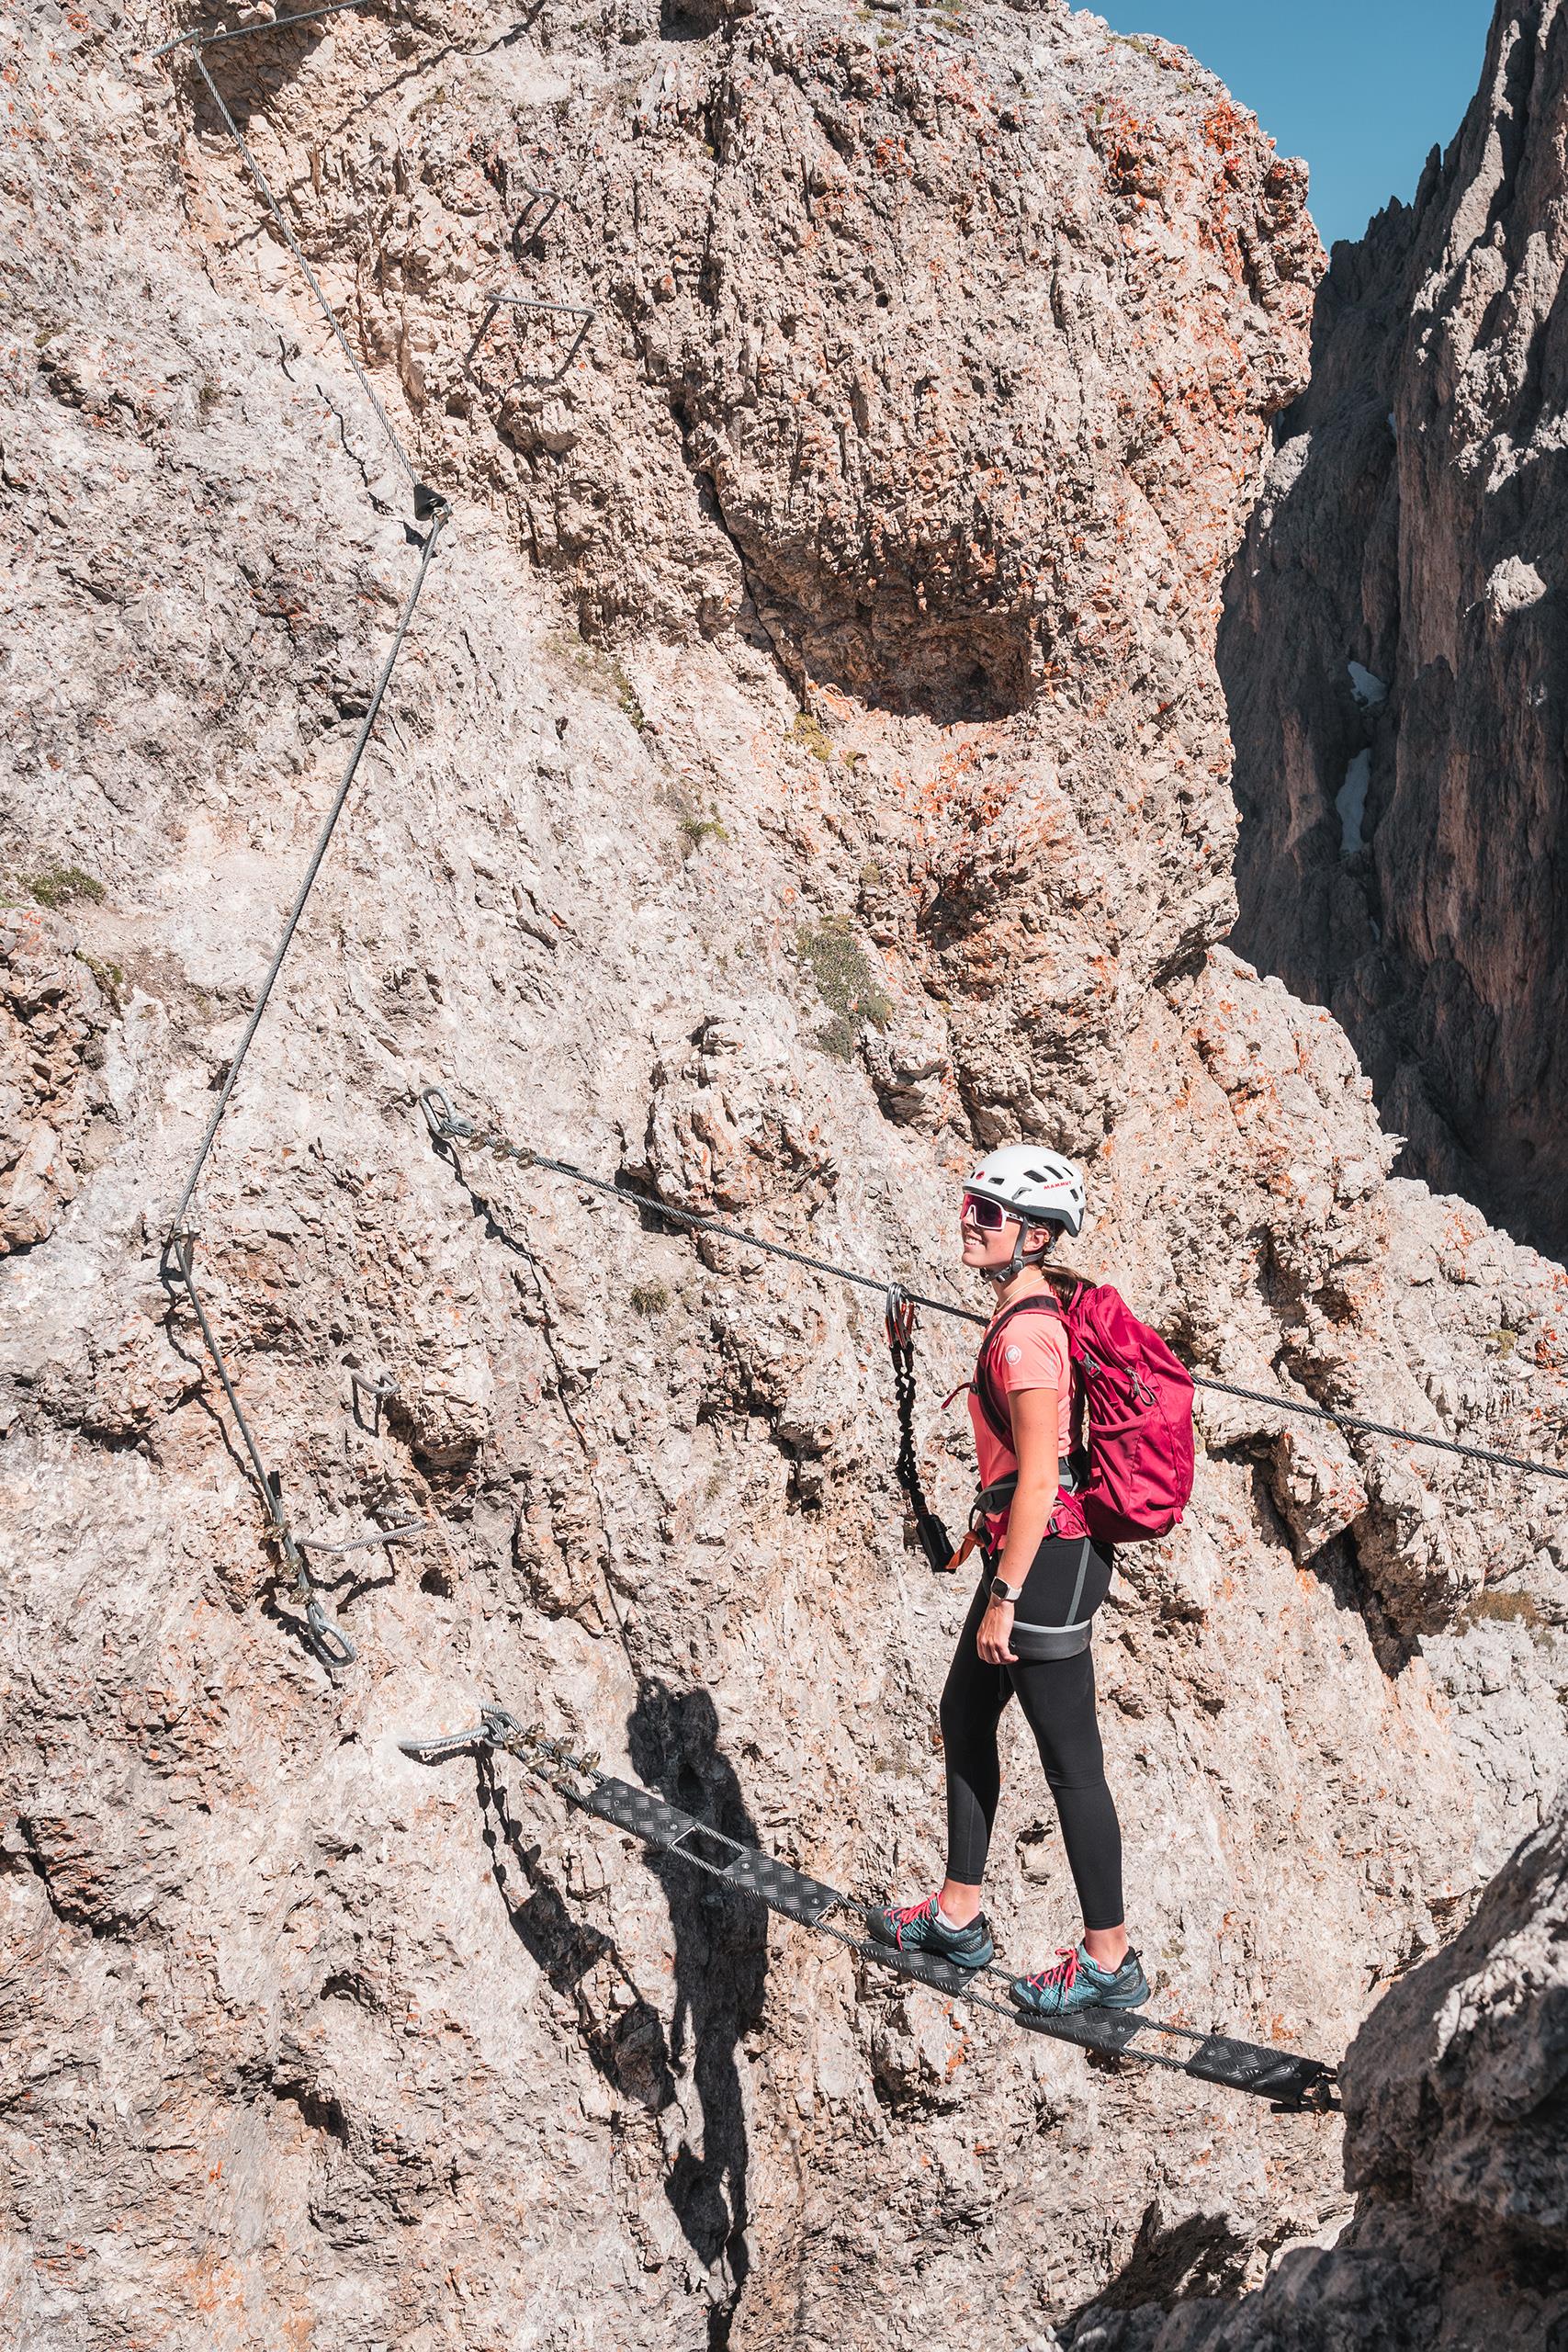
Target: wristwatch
[(1000, 1591)]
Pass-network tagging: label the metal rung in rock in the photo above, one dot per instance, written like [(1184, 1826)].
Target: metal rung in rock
[(647, 1817)]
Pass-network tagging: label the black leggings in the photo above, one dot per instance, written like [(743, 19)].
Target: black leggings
[(1058, 1698)]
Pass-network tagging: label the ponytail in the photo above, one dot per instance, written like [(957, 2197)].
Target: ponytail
[(1062, 1280)]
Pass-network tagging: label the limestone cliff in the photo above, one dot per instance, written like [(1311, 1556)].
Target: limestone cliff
[(808, 761), (1394, 655)]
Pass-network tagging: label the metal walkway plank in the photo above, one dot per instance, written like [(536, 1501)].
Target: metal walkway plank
[(647, 1817)]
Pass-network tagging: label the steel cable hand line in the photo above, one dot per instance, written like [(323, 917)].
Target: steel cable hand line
[(330, 1642), (323, 840), (209, 35), (1295, 2084), (196, 44), (449, 1129)]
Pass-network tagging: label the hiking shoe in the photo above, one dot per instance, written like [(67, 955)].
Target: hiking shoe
[(919, 1926), (1078, 1982)]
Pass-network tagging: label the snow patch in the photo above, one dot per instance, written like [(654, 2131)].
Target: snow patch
[(1369, 691), (1350, 800)]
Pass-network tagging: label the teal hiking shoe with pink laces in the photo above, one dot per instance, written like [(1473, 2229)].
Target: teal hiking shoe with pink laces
[(919, 1926), (1078, 1982)]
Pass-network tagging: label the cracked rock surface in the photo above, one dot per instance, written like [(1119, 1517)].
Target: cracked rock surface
[(1392, 658), (808, 765)]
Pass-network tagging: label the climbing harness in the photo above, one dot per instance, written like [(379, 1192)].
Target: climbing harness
[(1294, 2085), (450, 1128), (331, 1645), (899, 1324)]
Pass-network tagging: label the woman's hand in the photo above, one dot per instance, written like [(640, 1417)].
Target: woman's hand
[(994, 1639)]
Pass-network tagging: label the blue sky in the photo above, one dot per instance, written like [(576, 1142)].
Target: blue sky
[(1362, 88)]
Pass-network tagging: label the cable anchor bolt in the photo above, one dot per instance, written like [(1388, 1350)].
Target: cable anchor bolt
[(444, 1123), (330, 1642)]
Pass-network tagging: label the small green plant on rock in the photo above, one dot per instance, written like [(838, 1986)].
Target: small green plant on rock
[(649, 1298), (109, 977), (600, 672), (1501, 1608), (58, 886), (627, 696), (813, 736), (845, 982), (695, 831)]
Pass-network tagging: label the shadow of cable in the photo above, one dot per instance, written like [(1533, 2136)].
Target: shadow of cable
[(484, 1208), (721, 1966)]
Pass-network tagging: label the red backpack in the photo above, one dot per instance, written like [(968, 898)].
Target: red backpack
[(1131, 1417)]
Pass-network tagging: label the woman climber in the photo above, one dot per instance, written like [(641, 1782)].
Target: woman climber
[(1027, 1632)]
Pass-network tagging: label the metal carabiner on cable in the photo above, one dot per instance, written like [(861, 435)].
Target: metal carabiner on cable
[(899, 1315)]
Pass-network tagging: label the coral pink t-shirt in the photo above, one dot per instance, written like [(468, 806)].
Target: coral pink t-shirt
[(1032, 1354)]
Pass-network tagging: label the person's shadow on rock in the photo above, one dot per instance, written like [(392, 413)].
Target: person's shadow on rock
[(721, 1966)]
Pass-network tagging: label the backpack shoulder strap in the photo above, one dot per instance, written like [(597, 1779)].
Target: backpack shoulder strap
[(991, 1405)]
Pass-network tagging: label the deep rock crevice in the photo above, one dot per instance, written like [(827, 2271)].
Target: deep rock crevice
[(1390, 654)]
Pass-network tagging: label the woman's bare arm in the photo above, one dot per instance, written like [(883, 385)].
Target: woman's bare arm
[(1034, 1428)]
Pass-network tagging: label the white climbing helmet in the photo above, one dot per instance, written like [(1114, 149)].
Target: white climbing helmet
[(1039, 1187)]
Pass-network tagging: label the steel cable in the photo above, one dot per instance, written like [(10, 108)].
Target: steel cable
[(298, 251), (323, 841), (330, 1642), (462, 1130), (206, 37), (450, 1128)]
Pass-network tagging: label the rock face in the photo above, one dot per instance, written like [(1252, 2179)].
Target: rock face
[(1455, 2092), (1392, 653), (809, 763)]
